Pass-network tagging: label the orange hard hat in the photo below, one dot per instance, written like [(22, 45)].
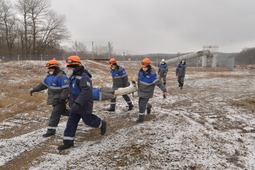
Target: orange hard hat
[(52, 63), (145, 62), (112, 61), (73, 60)]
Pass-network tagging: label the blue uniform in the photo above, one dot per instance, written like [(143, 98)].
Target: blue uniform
[(180, 72), (162, 71), (96, 94), (58, 92), (163, 66), (80, 93), (120, 79), (146, 85)]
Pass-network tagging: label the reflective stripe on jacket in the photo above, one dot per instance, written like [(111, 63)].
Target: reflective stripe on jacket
[(58, 87), (119, 77), (147, 82)]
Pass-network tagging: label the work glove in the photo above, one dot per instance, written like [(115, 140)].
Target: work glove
[(75, 107), (31, 92)]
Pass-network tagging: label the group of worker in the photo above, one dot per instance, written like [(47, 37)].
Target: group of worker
[(75, 87)]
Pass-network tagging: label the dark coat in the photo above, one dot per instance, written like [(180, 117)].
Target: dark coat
[(119, 77), (181, 70), (81, 91)]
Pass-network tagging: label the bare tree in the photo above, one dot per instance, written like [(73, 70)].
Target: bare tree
[(80, 49), (37, 10), (42, 28), (53, 31), (23, 9), (246, 56), (32, 12), (8, 26)]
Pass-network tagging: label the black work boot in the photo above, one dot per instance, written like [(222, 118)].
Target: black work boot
[(140, 119), (65, 146), (181, 85), (149, 108), (164, 96), (130, 107), (112, 108), (49, 133), (103, 127)]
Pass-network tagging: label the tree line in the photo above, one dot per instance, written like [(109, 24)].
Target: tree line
[(246, 57), (30, 29)]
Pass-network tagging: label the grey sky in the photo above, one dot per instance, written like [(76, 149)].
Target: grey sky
[(165, 26)]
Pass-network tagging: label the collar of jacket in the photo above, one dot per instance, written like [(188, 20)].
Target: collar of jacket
[(146, 72), (116, 68), (78, 70)]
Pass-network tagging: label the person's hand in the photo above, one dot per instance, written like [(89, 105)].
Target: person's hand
[(75, 107), (31, 92)]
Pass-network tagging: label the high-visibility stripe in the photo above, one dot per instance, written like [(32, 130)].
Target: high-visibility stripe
[(113, 102), (149, 83), (78, 77), (100, 124), (65, 86), (120, 76), (55, 88), (141, 114), (50, 127), (100, 96), (68, 138)]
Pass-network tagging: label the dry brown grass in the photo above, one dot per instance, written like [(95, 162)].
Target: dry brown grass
[(222, 75), (248, 103), (209, 69), (18, 102), (15, 89)]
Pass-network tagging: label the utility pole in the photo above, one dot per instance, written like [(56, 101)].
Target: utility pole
[(75, 43), (123, 55), (109, 50), (93, 50)]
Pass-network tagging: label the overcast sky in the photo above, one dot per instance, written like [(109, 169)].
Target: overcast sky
[(161, 26)]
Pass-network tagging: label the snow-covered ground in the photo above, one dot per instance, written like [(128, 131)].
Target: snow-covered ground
[(202, 126)]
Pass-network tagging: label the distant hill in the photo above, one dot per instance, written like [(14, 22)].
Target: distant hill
[(157, 57)]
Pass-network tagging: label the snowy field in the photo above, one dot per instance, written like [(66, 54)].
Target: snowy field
[(210, 124)]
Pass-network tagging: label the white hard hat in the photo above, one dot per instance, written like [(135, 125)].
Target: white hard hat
[(163, 60)]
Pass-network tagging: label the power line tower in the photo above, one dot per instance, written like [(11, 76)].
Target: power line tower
[(110, 49), (214, 50)]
